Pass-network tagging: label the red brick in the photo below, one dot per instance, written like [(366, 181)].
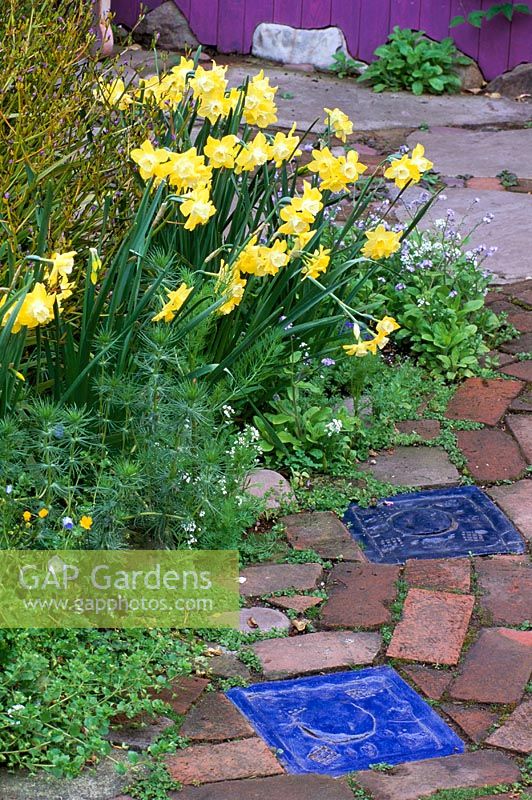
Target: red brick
[(322, 532), (139, 732), (496, 667), (523, 344), (268, 578), (433, 627), (209, 763), (215, 719), (516, 733), (522, 320), (514, 289), (521, 427), (427, 429), (524, 296), (417, 779), (299, 602), (475, 722), (432, 682), (507, 590), (316, 652), (359, 595), (516, 502), (181, 694), (521, 370), (482, 184), (522, 403), (278, 787), (446, 574), (482, 400), (491, 455)]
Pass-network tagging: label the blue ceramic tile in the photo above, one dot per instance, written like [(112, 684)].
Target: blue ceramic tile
[(446, 523), (333, 724)]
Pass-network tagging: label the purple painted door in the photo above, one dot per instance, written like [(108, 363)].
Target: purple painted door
[(229, 24)]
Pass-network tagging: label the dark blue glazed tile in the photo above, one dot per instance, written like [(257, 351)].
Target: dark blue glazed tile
[(333, 724), (446, 523)]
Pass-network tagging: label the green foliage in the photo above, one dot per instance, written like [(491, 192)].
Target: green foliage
[(155, 785), (344, 66), (507, 178), (477, 17), (60, 689), (412, 62)]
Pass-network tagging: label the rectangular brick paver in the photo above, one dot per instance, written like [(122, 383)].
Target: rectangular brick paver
[(491, 454), (278, 787), (182, 694), (433, 627), (209, 763), (418, 779), (506, 590), (359, 595), (445, 574), (521, 370), (516, 502), (316, 652), (268, 578), (215, 719), (516, 733), (521, 427), (496, 667), (473, 720), (482, 400), (322, 532)]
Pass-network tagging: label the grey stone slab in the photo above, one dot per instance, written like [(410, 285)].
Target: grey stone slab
[(310, 93), (480, 153), (509, 230), (421, 467), (100, 783)]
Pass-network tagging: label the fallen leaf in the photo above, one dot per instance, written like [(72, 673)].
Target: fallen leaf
[(252, 622)]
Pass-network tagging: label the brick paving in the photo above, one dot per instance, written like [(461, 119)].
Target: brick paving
[(487, 655)]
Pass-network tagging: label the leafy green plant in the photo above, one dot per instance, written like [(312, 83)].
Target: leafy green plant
[(412, 62), (507, 178), (477, 17), (344, 66)]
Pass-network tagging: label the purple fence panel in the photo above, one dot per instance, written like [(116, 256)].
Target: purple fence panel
[(494, 44), (288, 12), (231, 26), (466, 36), (316, 14), (183, 6), (255, 11), (405, 13), (434, 18), (374, 26), (126, 11), (520, 40), (204, 20), (347, 17)]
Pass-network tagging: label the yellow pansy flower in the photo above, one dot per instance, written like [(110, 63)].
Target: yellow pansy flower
[(340, 124), (381, 243), (173, 304), (197, 208), (316, 263), (402, 171)]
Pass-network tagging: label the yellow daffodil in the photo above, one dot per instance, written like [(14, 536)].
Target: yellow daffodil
[(173, 304), (295, 222), (208, 81), (43, 513), (259, 105), (316, 263), (213, 106), (231, 284), (169, 93), (37, 309), (403, 171), (221, 152), (149, 159), (310, 202), (86, 522), (249, 260), (182, 72), (336, 173), (256, 153), (185, 171), (339, 123), (387, 325), (381, 243), (62, 266), (272, 258), (285, 146), (197, 208), (113, 93), (419, 160), (96, 265)]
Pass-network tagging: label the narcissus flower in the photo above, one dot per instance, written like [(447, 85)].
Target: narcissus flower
[(221, 152), (113, 93), (387, 325), (259, 106), (182, 72), (419, 160), (149, 159), (231, 284), (310, 202), (339, 123), (96, 265), (86, 522), (173, 304), (295, 222), (316, 263), (208, 81), (62, 266), (185, 171), (381, 243), (37, 309), (285, 146), (361, 347), (271, 259), (197, 208), (336, 173), (403, 171), (254, 154)]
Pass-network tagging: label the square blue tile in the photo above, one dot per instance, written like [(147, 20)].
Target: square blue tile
[(333, 724), (446, 523)]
